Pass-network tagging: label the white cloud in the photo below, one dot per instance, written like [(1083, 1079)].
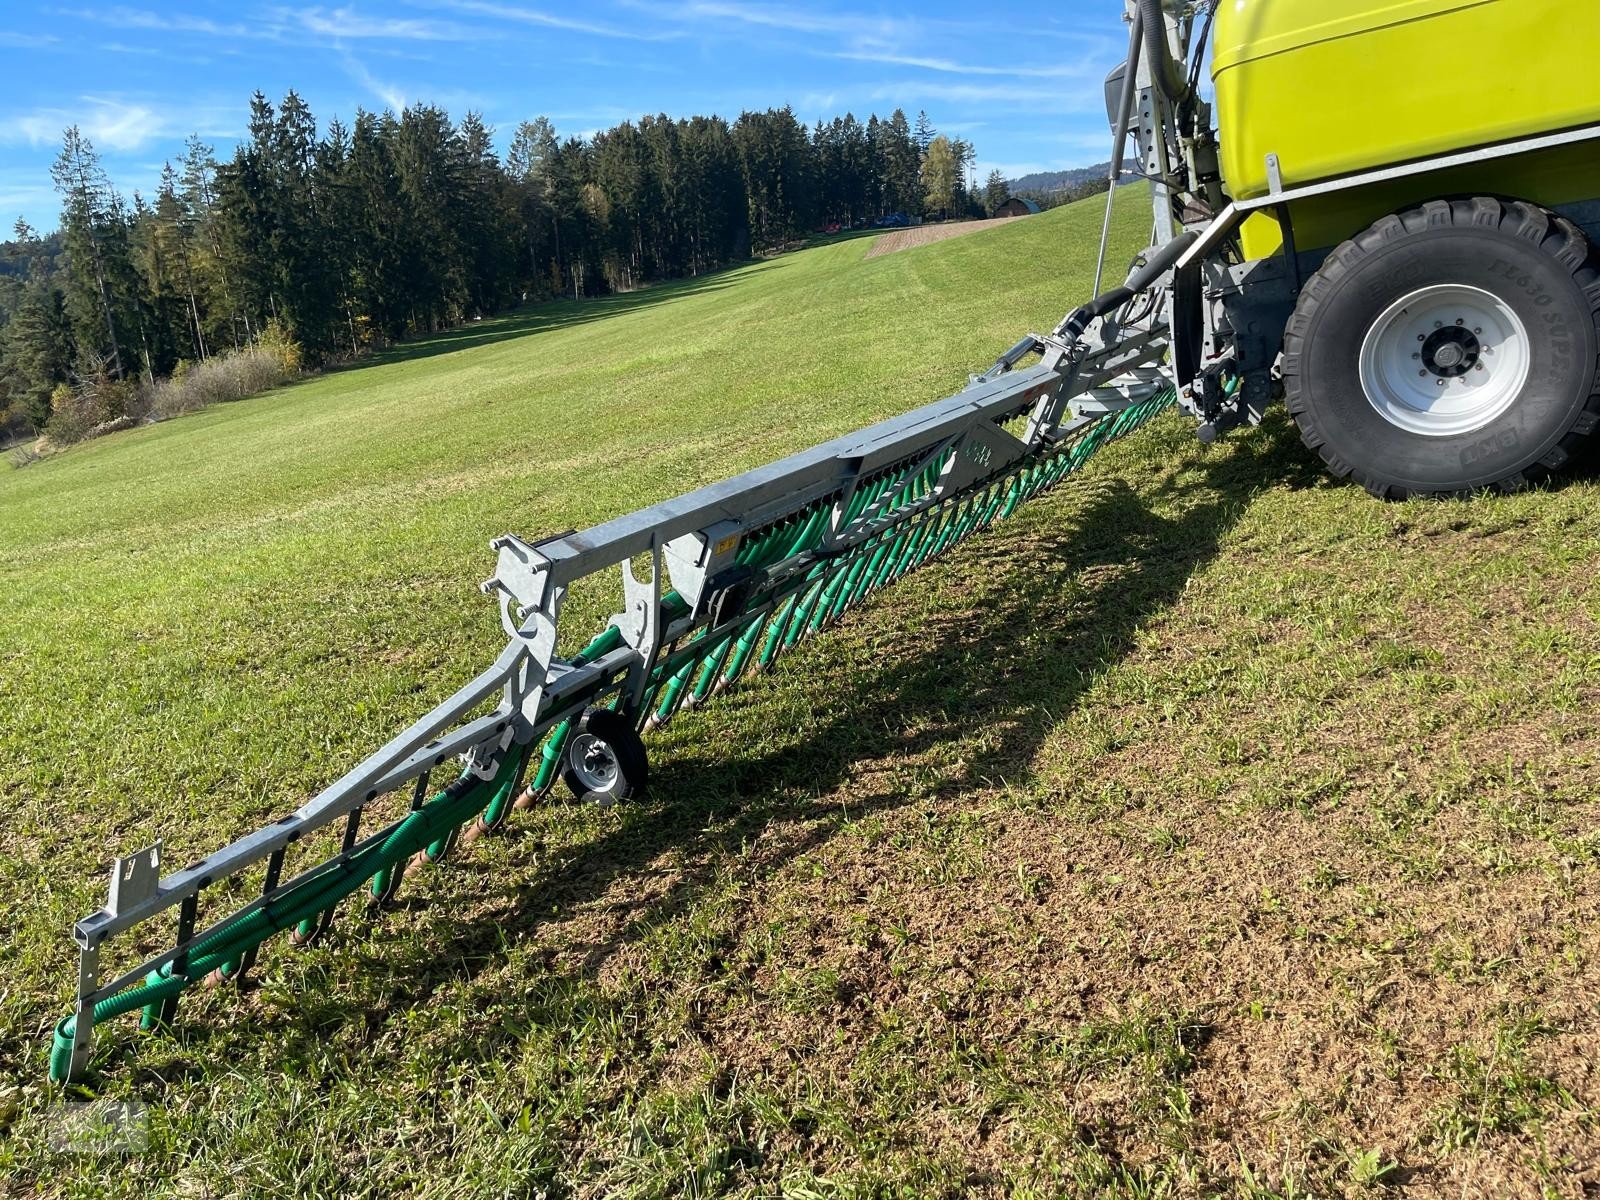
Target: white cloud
[(114, 124), (391, 94), (27, 41), (819, 102), (121, 17), (951, 67), (712, 16), (546, 20), (1035, 98), (23, 192), (345, 22)]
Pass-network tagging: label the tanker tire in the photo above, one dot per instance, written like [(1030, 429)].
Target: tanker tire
[(1534, 264)]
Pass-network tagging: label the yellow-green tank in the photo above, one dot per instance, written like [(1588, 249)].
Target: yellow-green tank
[(1339, 86)]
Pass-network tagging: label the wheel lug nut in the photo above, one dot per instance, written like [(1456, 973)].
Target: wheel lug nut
[(1422, 337), (1438, 324), (1459, 321), (1424, 374), (1441, 383)]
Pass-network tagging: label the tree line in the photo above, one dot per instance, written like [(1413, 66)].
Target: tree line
[(336, 237)]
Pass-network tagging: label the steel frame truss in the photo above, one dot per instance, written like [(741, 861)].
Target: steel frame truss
[(963, 448)]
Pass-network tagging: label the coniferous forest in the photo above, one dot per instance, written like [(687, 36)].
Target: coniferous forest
[(316, 242)]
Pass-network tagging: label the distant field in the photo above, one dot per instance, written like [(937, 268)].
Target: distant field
[(922, 235), (1205, 830)]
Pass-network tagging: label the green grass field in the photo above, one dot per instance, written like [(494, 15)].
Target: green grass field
[(1205, 829)]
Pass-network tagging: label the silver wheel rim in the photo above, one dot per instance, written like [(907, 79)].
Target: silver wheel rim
[(1445, 360), (594, 763)]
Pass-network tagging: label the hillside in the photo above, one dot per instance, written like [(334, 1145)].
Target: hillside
[(1205, 829), (1059, 181)]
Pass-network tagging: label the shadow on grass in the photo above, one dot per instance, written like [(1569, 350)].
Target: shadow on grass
[(1031, 628), (551, 315)]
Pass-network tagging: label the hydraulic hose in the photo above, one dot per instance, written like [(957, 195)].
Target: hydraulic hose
[(1164, 71), (1140, 279)]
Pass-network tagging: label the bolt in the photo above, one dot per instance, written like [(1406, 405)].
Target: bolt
[(1422, 337), (1479, 367), (1441, 383), (1424, 374), (1477, 330), (1438, 324), (1416, 356), (1460, 321)]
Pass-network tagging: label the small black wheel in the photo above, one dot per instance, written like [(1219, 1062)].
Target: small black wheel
[(1448, 350), (605, 758)]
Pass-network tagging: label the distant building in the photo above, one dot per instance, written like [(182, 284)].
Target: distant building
[(1016, 206)]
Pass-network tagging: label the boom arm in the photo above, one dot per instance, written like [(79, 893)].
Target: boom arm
[(738, 573)]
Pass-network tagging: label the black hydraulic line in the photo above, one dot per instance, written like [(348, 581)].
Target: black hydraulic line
[(1163, 70), (1198, 59), (1139, 280), (1013, 356)]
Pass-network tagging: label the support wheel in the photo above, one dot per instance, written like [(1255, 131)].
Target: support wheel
[(605, 758), (1447, 350)]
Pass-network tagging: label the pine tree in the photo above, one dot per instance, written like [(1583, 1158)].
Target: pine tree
[(224, 322), (873, 182), (531, 165), (164, 234), (995, 192), (902, 167), (246, 220), (486, 216), (36, 343), (92, 223), (303, 278)]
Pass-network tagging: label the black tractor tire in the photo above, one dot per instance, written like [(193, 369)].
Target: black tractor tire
[(1535, 269), (604, 760)]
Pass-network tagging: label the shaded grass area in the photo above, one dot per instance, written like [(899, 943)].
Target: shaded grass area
[(1206, 829)]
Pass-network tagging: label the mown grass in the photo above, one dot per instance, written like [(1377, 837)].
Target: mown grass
[(1208, 829)]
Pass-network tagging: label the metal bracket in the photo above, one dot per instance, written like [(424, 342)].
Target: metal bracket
[(521, 577), (134, 878), (538, 636), (83, 1015), (640, 623), (1274, 176), (984, 450), (695, 557)]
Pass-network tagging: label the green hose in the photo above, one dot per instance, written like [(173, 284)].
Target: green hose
[(222, 949)]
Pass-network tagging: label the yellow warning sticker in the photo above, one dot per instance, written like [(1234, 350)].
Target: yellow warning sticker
[(726, 545)]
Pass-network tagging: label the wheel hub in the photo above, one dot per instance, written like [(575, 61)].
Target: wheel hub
[(1451, 352), (1445, 360), (594, 763)]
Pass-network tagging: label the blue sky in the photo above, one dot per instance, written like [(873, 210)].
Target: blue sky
[(1021, 81)]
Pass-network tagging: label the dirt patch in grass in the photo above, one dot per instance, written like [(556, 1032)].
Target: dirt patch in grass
[(922, 235)]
